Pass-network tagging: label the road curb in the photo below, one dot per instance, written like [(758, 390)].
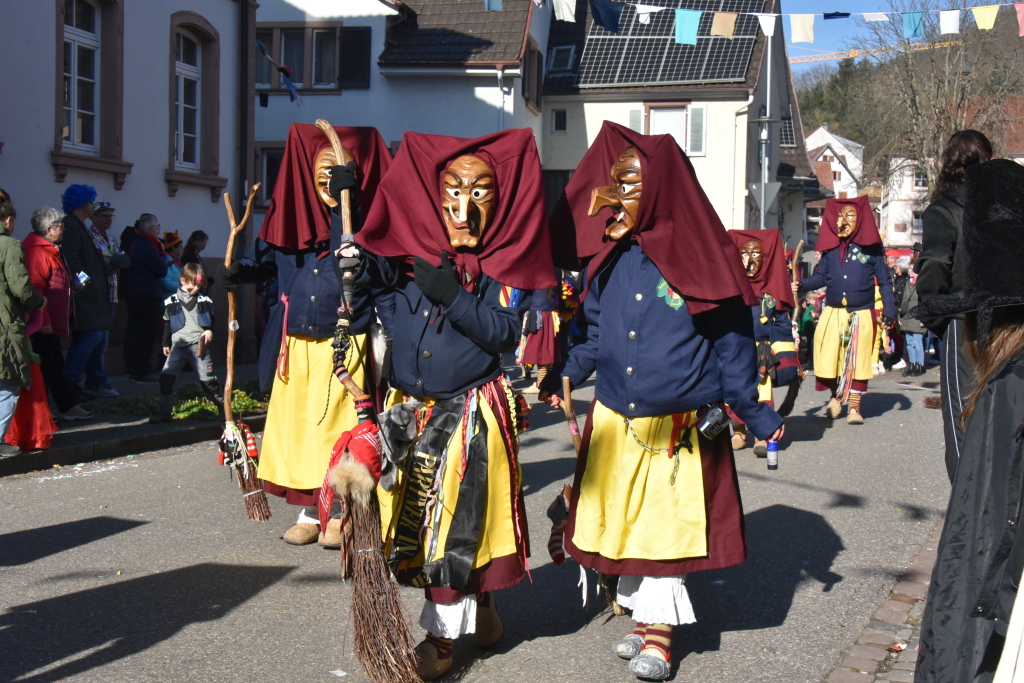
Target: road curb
[(107, 449)]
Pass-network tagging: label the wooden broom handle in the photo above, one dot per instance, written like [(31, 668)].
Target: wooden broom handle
[(570, 415), (343, 158), (796, 277), (236, 229)]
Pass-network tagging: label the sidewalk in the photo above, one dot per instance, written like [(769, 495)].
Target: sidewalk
[(113, 432), (898, 620)]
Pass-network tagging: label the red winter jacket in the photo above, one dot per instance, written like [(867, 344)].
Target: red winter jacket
[(50, 276)]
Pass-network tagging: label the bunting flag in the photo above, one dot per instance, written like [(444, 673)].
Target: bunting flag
[(492, 5), (644, 12), (876, 16), (687, 23), (1019, 6), (285, 72), (724, 24), (801, 28), (913, 24), (837, 15), (949, 21), (606, 14), (985, 17), (767, 22), (565, 10)]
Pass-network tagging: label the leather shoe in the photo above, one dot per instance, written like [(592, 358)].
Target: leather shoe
[(428, 665)]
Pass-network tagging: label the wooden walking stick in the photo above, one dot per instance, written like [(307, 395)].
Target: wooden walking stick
[(794, 387), (384, 644), (570, 415), (237, 446)]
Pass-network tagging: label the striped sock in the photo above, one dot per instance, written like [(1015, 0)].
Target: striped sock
[(442, 645), (640, 630), (658, 640), (854, 403), (555, 546)]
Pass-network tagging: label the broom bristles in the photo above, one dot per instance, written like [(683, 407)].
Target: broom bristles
[(257, 509), (384, 644)]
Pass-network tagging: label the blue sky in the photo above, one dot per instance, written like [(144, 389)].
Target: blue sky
[(829, 36)]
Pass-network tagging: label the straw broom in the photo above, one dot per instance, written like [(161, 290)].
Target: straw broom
[(233, 440), (384, 644), (794, 387)]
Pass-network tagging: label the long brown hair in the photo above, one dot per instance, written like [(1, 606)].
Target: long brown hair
[(1004, 341), (965, 148), (193, 239)]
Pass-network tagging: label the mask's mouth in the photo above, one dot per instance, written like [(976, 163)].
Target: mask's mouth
[(468, 225), (610, 197)]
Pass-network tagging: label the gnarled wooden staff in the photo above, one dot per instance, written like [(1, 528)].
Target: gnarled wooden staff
[(794, 387), (383, 641), (235, 443)]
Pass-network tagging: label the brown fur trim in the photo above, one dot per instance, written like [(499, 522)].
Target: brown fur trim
[(349, 477)]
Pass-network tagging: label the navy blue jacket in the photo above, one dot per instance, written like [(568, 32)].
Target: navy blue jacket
[(854, 279), (173, 307), (653, 358), (441, 352), (779, 327), (145, 272)]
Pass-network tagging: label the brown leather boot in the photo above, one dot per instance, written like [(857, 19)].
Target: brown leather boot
[(428, 665), (489, 628)]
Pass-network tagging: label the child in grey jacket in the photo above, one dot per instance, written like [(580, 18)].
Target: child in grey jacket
[(188, 330)]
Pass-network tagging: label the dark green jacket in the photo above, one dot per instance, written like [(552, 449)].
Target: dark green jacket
[(91, 304), (17, 298)]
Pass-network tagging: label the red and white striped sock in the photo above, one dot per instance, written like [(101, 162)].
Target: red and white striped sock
[(555, 546)]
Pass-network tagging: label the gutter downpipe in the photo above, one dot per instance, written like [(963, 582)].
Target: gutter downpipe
[(735, 147), (501, 87)]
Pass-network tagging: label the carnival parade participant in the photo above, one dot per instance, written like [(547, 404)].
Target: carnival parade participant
[(852, 260), (457, 240), (308, 408), (671, 338), (765, 263), (543, 341)]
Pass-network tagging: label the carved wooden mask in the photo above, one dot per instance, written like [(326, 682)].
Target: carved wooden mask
[(467, 200), (752, 254), (623, 197), (322, 173), (847, 222)]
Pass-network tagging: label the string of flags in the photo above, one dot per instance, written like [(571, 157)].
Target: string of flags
[(285, 71), (607, 14)]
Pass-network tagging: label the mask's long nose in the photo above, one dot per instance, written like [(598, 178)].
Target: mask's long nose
[(602, 197), (463, 207)]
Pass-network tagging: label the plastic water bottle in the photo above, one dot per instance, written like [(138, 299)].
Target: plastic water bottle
[(773, 455)]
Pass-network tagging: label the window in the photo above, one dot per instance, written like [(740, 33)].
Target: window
[(558, 121), (81, 76), (269, 156), (194, 111), (561, 58), (533, 76), (684, 123), (698, 132), (920, 179), (89, 87), (636, 120), (315, 52), (918, 222), (187, 75), (837, 175)]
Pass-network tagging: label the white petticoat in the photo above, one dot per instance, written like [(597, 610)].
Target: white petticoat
[(450, 621), (656, 599)]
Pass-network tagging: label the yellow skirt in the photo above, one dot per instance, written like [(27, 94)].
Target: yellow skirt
[(497, 536), (296, 450), (829, 351), (628, 506)]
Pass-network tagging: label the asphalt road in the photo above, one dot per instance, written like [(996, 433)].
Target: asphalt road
[(146, 569)]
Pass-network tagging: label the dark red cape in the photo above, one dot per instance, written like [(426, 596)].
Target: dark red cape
[(865, 234), (406, 220), (677, 227), (774, 277), (296, 218)]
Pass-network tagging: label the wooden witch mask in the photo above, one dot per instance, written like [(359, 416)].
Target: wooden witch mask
[(622, 197), (467, 200), (846, 225), (322, 164), (752, 253)]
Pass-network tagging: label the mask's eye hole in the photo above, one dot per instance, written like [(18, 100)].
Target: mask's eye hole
[(478, 193), (455, 192)]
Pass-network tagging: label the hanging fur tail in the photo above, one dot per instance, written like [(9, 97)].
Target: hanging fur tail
[(791, 394)]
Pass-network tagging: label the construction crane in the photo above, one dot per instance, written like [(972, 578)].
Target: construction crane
[(870, 52)]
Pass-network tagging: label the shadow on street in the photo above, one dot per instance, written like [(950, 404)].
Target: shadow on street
[(104, 624), (23, 547)]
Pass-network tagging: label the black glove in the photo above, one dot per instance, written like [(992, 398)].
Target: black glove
[(229, 277), (342, 178), (552, 383), (441, 285), (887, 322)]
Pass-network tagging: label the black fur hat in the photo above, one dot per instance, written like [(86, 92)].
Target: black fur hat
[(992, 246)]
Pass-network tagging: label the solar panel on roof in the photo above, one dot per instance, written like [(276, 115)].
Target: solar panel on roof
[(647, 54)]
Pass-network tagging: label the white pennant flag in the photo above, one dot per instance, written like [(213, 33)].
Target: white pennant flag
[(876, 16), (643, 12), (565, 10), (949, 21), (767, 22)]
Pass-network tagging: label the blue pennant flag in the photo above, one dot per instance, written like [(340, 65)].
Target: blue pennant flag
[(837, 15), (913, 24), (606, 14), (687, 23)]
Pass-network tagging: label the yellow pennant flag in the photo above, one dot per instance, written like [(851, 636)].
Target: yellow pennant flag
[(985, 16), (724, 24)]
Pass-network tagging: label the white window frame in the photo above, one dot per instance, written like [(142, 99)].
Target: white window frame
[(77, 37), (333, 32), (194, 73), (913, 179), (554, 129), (917, 223), (555, 51), (692, 149)]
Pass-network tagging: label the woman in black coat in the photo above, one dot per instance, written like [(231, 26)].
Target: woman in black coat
[(980, 556), (940, 271)]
